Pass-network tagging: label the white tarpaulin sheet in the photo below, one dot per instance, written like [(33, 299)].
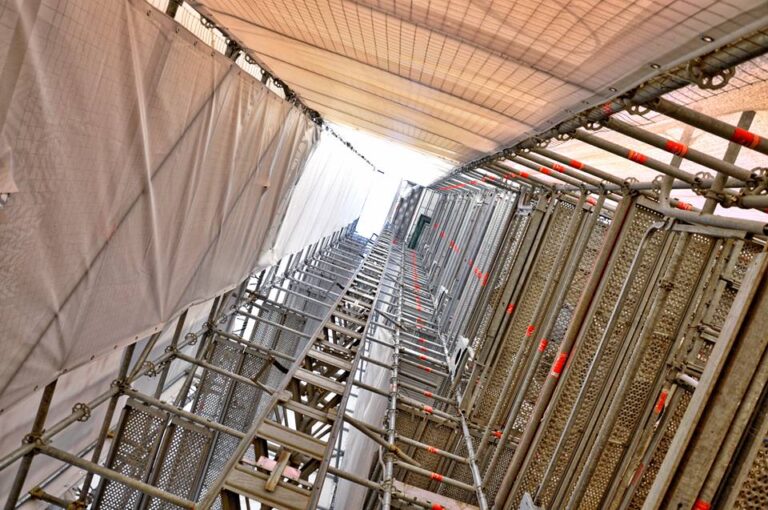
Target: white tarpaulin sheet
[(330, 195), (150, 171)]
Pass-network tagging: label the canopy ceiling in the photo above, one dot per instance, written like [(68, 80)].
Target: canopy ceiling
[(460, 79)]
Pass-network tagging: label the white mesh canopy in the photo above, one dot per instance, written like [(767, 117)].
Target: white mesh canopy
[(458, 78)]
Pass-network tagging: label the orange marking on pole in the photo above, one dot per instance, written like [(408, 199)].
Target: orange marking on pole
[(557, 166), (557, 366), (677, 148), (745, 138), (428, 394), (437, 477), (431, 449), (660, 403), (637, 157), (428, 409), (529, 331), (510, 308), (700, 504), (576, 164), (497, 434), (543, 344)]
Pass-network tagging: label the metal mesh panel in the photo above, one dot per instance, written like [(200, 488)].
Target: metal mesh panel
[(521, 224), (652, 469), (754, 492), (213, 388), (534, 288), (575, 289), (543, 451), (719, 307), (182, 458), (460, 472), (132, 453), (244, 402), (655, 353), (434, 435)]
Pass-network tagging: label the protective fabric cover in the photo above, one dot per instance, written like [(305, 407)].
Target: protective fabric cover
[(331, 193), (149, 167), (462, 78)]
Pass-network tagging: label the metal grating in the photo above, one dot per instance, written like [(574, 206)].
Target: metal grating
[(543, 451), (652, 469), (182, 458), (754, 492), (534, 288), (575, 289), (244, 403), (521, 223), (640, 390), (718, 308), (132, 452)]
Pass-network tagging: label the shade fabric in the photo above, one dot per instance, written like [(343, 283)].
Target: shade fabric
[(150, 169), (331, 194), (462, 78)]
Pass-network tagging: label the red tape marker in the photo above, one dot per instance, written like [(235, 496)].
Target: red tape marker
[(428, 394), (660, 403), (543, 344), (676, 148), (557, 366), (745, 138), (576, 164), (544, 170), (700, 504), (560, 168), (437, 477), (422, 357), (529, 331), (497, 434), (685, 206), (524, 174), (431, 449), (428, 409), (436, 506), (510, 308), (637, 157)]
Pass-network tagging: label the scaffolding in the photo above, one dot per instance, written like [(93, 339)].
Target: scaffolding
[(532, 331)]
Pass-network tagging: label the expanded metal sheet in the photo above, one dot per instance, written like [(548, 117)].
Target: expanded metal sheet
[(652, 469), (245, 401), (214, 387), (754, 492), (534, 288), (460, 472), (718, 308), (521, 223), (182, 458), (132, 453), (639, 392), (543, 451), (434, 435), (575, 289)]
